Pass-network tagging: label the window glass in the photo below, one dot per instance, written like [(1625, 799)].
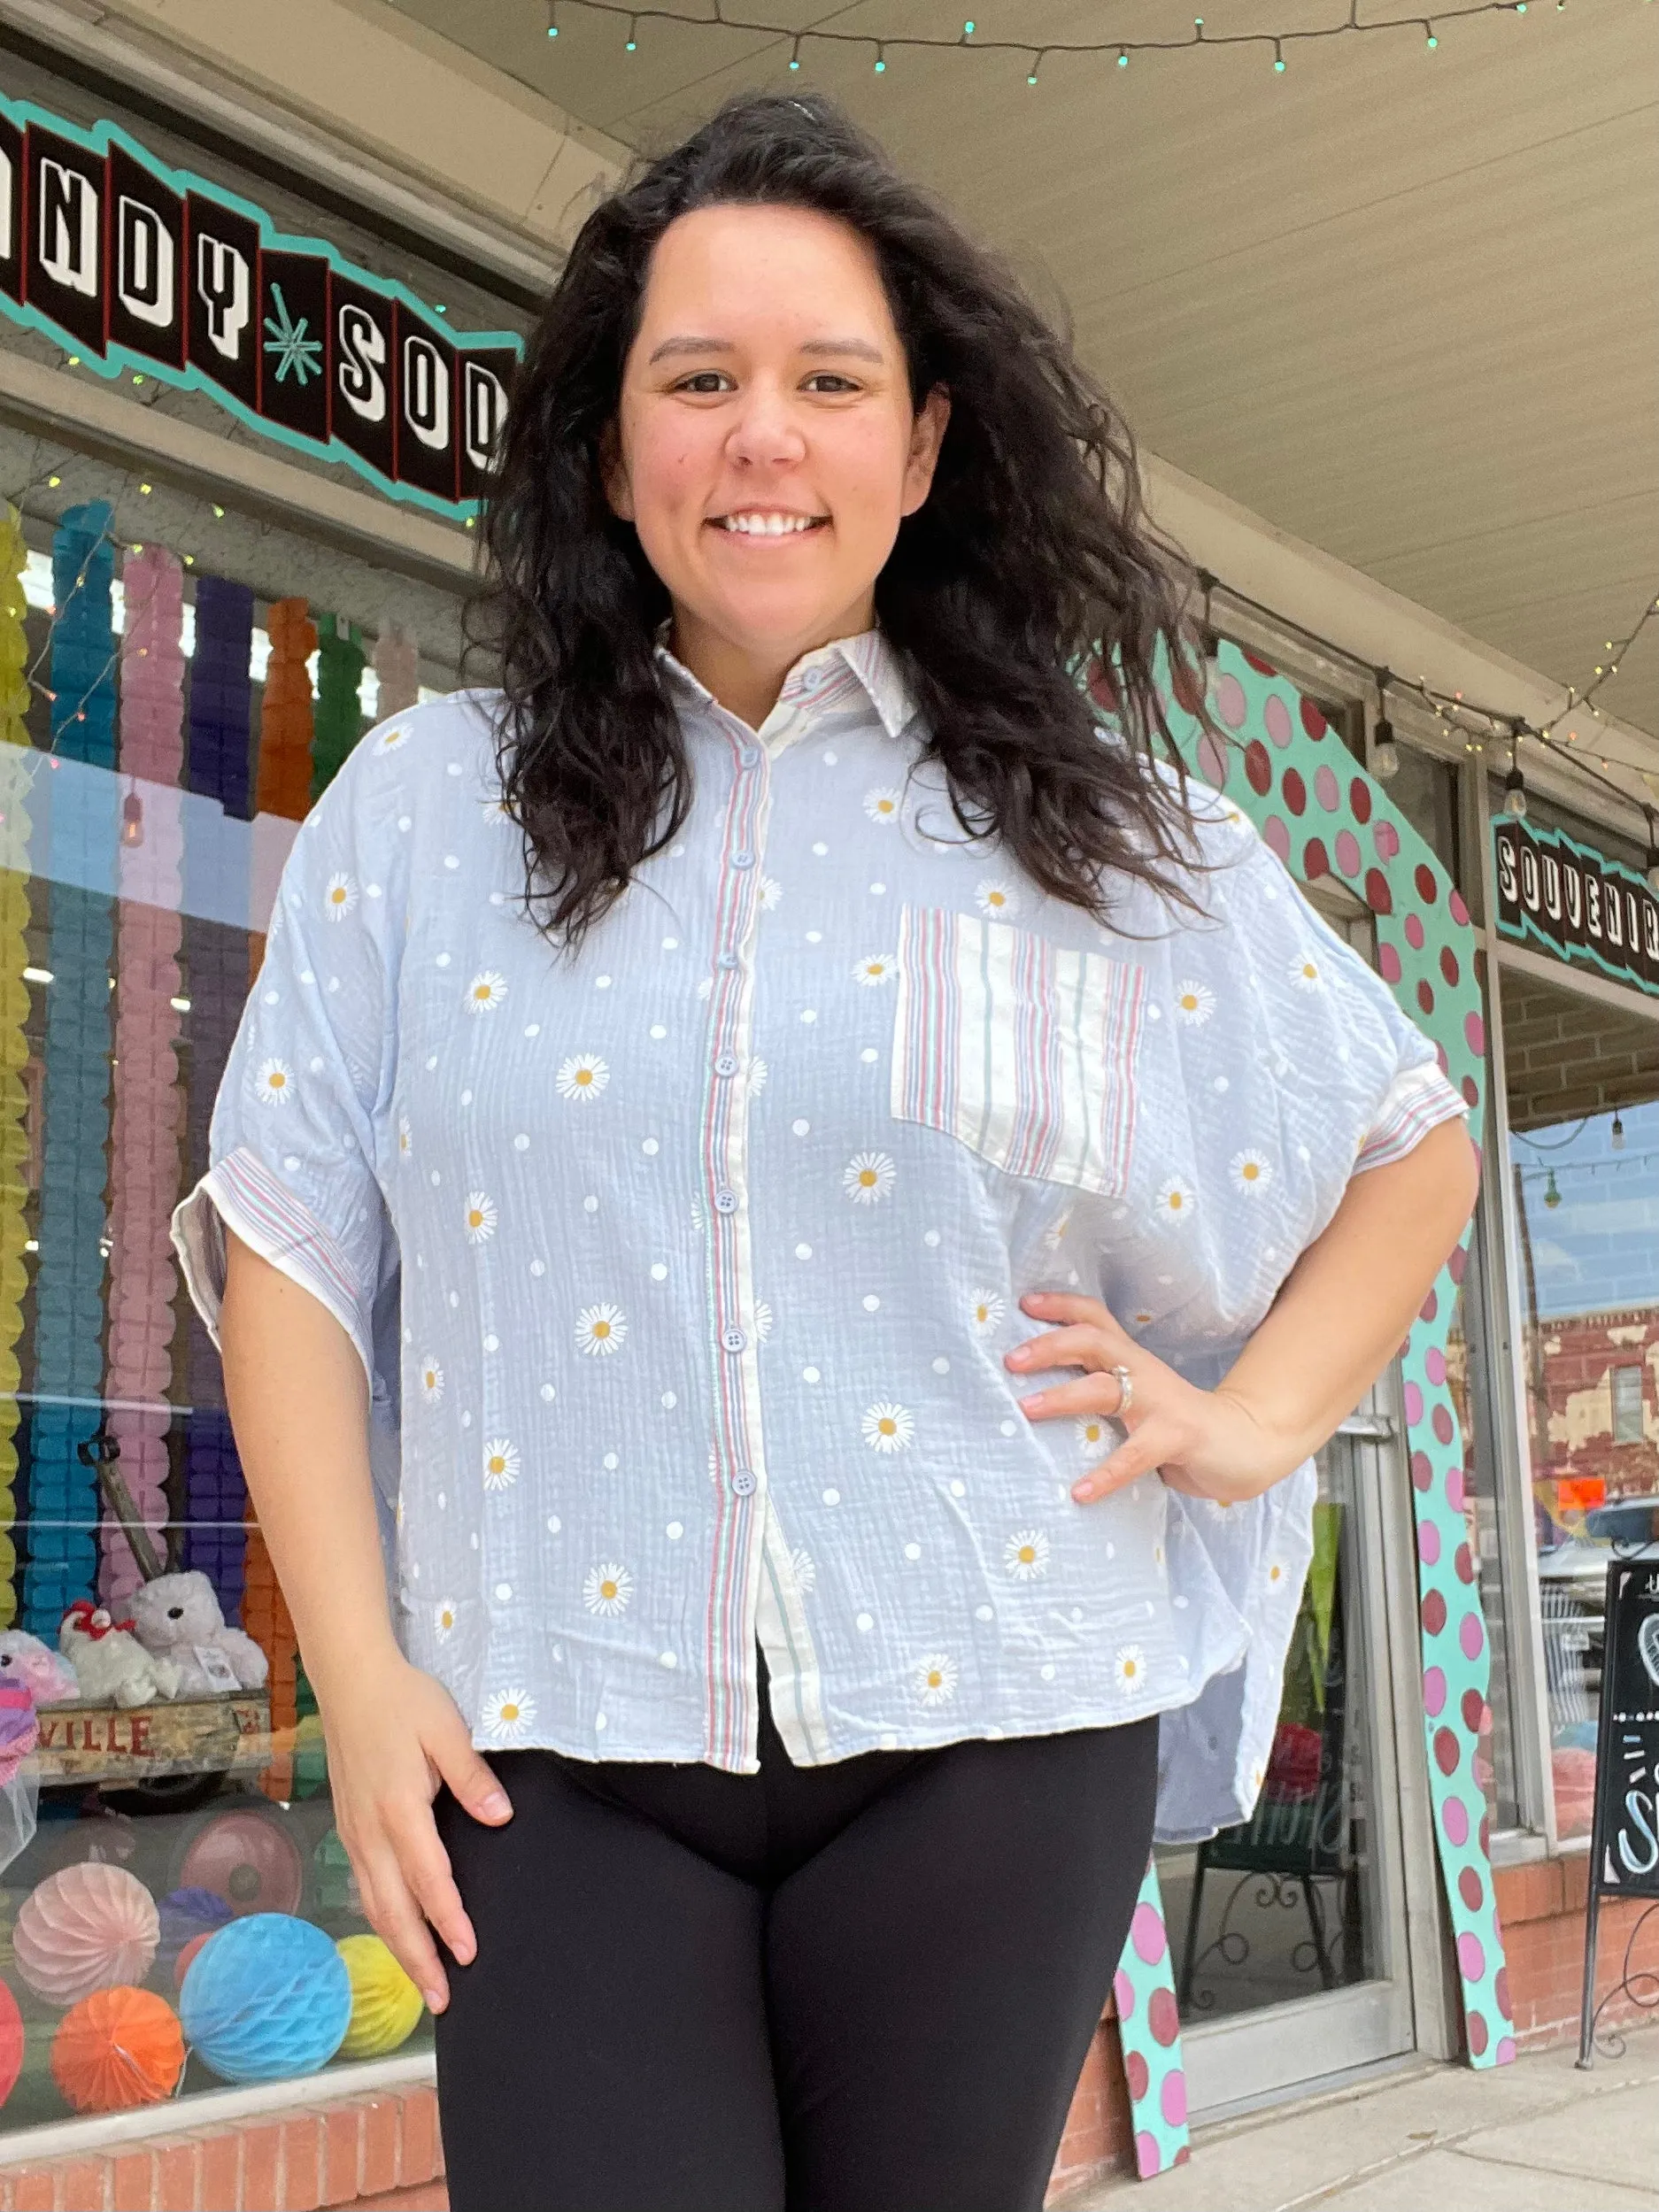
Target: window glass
[(1425, 791), (165, 726), (1582, 1087)]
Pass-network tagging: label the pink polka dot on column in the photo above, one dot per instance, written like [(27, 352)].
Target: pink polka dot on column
[(1146, 1932), (1455, 1821), (1414, 932), (1123, 1994), (1212, 761), (1459, 913), (1475, 1033), (1470, 1958), (1348, 856), (1146, 2162), (1470, 1636), (1434, 1365), (1414, 1405), (1386, 837), (1388, 962), (1504, 2055), (1229, 702), (1433, 1693), (1327, 790), (1276, 718), (1454, 1488), (1429, 1544), (1276, 835), (1172, 2098)]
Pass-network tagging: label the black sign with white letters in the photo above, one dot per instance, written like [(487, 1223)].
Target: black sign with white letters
[(1626, 1859), (1575, 902), (131, 266)]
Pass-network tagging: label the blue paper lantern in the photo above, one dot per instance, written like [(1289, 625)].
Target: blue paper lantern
[(267, 1999)]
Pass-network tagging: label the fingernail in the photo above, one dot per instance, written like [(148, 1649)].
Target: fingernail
[(1035, 1398), (1082, 1492), (463, 1952), (1018, 1356), (435, 2000), (496, 1805)]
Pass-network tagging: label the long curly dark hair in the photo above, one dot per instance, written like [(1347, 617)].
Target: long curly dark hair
[(1030, 564)]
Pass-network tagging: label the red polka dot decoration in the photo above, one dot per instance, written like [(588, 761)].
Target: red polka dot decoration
[(1324, 816), (1149, 2031)]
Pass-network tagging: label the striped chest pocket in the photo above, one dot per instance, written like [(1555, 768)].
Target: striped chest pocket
[(1023, 1051)]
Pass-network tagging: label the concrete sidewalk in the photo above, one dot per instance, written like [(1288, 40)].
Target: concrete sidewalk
[(1535, 2137)]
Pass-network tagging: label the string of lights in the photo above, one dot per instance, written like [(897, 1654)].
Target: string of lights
[(1035, 52)]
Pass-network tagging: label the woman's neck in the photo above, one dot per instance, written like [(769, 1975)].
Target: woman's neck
[(745, 682)]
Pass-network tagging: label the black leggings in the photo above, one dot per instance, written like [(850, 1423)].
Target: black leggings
[(864, 1988)]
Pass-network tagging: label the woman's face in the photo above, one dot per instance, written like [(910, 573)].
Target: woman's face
[(765, 446)]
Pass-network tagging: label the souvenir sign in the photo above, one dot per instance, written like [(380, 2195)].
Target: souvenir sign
[(136, 267), (1576, 903)]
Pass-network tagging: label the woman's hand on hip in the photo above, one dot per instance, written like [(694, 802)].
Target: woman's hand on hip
[(1207, 1443), (394, 1735)]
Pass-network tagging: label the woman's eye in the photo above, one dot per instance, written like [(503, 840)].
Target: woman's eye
[(830, 376), (703, 380)]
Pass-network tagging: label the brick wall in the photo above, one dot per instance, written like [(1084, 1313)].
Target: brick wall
[(374, 2153), (1542, 1908), (1566, 1055)]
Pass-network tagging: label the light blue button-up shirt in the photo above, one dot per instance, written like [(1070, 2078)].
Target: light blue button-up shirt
[(684, 1270)]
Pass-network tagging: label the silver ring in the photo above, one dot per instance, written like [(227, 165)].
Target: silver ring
[(1126, 1390)]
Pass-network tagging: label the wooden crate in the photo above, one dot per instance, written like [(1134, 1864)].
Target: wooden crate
[(140, 1743)]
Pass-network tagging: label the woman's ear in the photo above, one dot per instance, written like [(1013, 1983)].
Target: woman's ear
[(926, 435), (613, 473)]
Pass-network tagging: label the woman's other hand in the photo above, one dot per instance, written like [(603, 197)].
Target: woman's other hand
[(1207, 1443), (394, 1735)]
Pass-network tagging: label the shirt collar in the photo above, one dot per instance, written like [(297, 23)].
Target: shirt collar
[(829, 675)]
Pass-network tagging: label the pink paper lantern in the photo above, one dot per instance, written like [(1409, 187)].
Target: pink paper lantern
[(88, 1927)]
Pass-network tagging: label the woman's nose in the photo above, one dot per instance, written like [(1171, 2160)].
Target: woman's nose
[(765, 431)]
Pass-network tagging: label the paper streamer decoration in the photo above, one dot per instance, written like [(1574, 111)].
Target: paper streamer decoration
[(1149, 2033), (397, 669), (14, 1011), (340, 662), (215, 1495), (144, 1160), (285, 717), (65, 1506), (1324, 816)]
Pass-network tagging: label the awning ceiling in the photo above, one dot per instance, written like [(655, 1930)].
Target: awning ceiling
[(1400, 302)]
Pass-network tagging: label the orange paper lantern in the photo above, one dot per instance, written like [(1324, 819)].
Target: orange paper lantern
[(117, 2049)]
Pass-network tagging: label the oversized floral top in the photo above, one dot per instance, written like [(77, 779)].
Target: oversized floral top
[(683, 1269)]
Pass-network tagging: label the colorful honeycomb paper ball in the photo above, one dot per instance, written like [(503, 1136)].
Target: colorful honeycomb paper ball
[(89, 1926), (385, 2003), (117, 2049), (266, 1998), (11, 2042)]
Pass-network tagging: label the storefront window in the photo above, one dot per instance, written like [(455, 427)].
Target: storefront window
[(183, 1916), (1583, 1086)]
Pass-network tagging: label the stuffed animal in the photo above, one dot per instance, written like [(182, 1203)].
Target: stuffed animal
[(49, 1679), (177, 1618), (111, 1666)]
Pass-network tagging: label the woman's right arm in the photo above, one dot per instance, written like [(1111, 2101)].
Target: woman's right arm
[(299, 1406)]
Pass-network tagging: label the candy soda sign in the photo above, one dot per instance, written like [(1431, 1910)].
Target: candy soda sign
[(138, 267)]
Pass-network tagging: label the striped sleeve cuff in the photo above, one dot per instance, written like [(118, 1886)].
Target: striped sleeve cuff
[(1418, 1099), (241, 1193)]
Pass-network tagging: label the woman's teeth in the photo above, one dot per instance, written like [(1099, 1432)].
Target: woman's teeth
[(767, 525)]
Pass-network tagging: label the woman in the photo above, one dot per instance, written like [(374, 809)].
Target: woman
[(690, 1095)]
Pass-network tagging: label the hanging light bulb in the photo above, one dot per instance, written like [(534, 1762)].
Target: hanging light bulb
[(132, 819), (1515, 788), (1552, 1196), (1616, 1135), (1209, 642), (1384, 751)]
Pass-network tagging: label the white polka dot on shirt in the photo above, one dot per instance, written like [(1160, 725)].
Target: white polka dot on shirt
[(1008, 1428), (291, 1162), (820, 849), (671, 944), (521, 1142), (959, 1490), (658, 1030), (800, 1128), (651, 1147), (866, 1622), (983, 1613), (1047, 1673), (930, 1236), (810, 1375), (609, 1462), (549, 1393), (441, 960), (869, 1055), (533, 1029), (878, 890), (492, 1343), (832, 1498), (589, 1205), (449, 860), (941, 1367), (913, 1550), (675, 1530), (667, 1658), (503, 1590), (871, 1303), (803, 1252), (538, 1266), (554, 1524), (669, 1400), (659, 1273)]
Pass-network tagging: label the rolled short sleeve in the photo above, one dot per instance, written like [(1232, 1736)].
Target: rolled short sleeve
[(1361, 1074), (299, 1120)]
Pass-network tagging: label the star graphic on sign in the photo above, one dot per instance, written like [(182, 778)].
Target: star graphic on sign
[(295, 351)]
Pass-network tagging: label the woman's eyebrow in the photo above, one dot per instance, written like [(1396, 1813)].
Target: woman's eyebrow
[(671, 348)]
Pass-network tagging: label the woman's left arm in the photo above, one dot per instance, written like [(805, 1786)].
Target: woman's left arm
[(1337, 1322)]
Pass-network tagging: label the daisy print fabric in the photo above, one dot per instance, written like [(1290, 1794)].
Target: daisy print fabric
[(683, 1269)]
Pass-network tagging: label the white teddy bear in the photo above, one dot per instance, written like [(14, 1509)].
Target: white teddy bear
[(177, 1619), (112, 1666)]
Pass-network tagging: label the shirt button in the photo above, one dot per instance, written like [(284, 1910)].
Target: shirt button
[(726, 1064), (743, 1482), (725, 1201), (750, 756), (813, 678), (727, 959), (734, 1339), (743, 859)]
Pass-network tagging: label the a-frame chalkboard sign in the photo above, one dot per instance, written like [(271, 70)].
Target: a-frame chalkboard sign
[(1624, 1836)]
